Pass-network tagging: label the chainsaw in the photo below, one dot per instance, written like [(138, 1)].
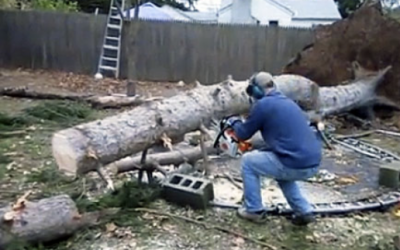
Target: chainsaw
[(228, 143)]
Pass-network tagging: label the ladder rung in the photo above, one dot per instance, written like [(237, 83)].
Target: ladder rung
[(110, 47), (112, 38), (117, 17), (109, 58), (108, 68), (113, 26)]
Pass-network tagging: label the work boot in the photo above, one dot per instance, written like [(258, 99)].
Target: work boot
[(257, 217), (302, 220)]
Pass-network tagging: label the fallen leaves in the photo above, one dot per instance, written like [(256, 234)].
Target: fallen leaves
[(113, 230), (16, 207), (167, 142), (396, 211), (346, 180), (110, 227), (20, 204), (323, 176)]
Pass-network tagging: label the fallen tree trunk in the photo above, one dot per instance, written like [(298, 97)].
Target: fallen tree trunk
[(118, 101), (176, 157), (42, 221), (24, 92), (86, 147), (110, 101)]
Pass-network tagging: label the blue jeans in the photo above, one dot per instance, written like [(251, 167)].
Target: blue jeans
[(265, 163)]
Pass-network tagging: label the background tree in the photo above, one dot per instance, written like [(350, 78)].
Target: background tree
[(346, 7)]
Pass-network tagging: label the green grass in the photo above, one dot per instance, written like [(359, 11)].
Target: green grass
[(60, 111)]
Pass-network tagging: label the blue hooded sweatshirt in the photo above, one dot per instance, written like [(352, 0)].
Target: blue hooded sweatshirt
[(285, 129)]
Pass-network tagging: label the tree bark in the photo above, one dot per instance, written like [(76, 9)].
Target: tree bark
[(176, 157), (80, 149), (43, 221), (86, 147), (131, 88)]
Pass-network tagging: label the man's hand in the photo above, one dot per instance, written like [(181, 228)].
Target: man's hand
[(232, 120)]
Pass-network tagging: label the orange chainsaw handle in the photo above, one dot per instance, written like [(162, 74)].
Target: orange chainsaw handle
[(243, 146)]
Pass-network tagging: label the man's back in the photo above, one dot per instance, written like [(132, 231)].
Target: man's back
[(287, 132), (285, 129)]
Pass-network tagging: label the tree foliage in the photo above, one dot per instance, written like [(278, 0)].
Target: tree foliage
[(346, 7), (57, 5), (88, 6)]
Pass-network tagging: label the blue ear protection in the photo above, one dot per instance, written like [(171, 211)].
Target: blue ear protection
[(254, 90)]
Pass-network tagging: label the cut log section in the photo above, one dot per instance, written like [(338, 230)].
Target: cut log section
[(88, 146), (42, 221), (176, 157)]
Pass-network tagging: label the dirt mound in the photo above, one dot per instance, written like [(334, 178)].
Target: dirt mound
[(366, 37)]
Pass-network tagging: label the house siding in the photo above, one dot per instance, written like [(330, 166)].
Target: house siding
[(225, 15), (308, 23), (274, 13)]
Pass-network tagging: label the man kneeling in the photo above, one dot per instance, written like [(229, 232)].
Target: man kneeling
[(294, 150)]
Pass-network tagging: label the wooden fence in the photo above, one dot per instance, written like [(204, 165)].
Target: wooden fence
[(151, 50)]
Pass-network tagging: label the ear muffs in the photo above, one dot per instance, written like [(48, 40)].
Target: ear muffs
[(254, 90)]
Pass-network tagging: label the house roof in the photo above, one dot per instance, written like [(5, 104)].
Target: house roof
[(302, 9), (190, 15), (150, 11), (305, 9)]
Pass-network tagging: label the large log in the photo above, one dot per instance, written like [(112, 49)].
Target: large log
[(86, 147), (42, 221), (175, 157)]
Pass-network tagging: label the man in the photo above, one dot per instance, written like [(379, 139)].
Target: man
[(294, 151)]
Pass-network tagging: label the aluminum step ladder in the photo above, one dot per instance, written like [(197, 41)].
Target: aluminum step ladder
[(109, 60)]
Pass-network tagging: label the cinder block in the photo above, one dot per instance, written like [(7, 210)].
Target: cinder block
[(389, 174), (188, 190)]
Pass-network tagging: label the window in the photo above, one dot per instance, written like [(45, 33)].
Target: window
[(273, 23)]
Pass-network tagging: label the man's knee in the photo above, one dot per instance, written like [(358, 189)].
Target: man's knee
[(248, 159)]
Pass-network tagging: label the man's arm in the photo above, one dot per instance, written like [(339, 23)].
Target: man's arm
[(245, 130)]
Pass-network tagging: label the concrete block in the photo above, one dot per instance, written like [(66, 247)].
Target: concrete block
[(389, 174), (188, 190)]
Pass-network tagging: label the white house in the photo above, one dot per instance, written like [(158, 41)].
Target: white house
[(190, 16), (293, 13)]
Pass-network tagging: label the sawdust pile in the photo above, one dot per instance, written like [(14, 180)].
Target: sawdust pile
[(367, 36)]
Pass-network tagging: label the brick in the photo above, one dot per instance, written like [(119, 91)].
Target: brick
[(389, 175), (188, 190)]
